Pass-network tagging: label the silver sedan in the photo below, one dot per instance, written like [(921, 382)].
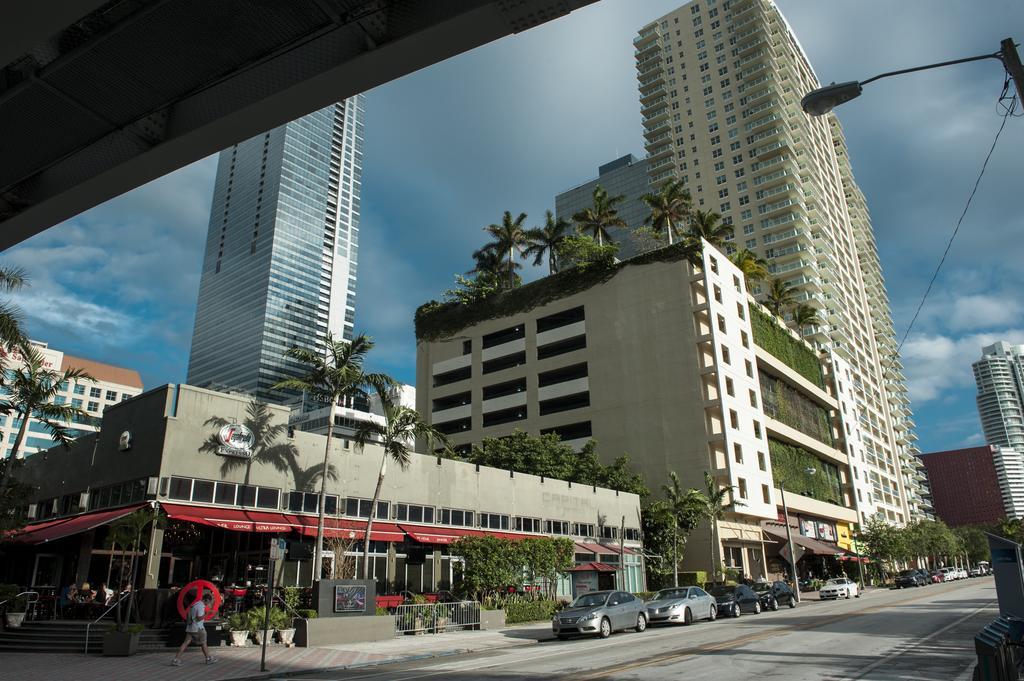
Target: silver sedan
[(600, 613), (681, 605)]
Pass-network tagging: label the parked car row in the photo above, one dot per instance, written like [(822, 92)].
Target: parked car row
[(601, 613), (917, 577)]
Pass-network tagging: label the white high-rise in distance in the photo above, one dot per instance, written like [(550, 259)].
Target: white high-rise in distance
[(1000, 378), (720, 85)]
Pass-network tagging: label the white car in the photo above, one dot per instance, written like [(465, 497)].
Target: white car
[(949, 574), (839, 587)]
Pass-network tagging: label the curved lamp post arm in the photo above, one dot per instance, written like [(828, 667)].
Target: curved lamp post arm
[(824, 99)]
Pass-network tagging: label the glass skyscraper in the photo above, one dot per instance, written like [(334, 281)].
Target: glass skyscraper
[(280, 263)]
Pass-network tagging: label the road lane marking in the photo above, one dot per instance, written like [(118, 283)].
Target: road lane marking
[(902, 650), (682, 655)]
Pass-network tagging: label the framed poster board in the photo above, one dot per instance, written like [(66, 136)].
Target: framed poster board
[(349, 598)]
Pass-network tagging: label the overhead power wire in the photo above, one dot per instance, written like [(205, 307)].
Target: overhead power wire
[(1008, 112)]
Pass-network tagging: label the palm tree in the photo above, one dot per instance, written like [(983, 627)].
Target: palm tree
[(754, 268), (32, 390), (687, 509), (126, 533), (401, 429), (332, 374), (708, 225), (601, 216), (804, 316), (670, 207), (545, 240), (11, 279), (719, 500), (490, 266), (509, 237), (779, 297)]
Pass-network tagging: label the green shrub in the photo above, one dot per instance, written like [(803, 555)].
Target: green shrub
[(695, 578), (309, 614), (530, 611), (381, 611), (237, 622), (771, 336), (15, 603), (644, 595)]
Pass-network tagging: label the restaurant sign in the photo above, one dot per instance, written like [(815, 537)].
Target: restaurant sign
[(236, 440)]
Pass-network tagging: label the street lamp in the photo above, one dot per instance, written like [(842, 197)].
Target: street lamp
[(824, 99), (789, 534)]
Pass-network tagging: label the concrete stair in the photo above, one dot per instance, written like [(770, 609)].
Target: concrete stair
[(68, 636)]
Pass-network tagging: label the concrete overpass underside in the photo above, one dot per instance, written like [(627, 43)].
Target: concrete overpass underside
[(99, 98)]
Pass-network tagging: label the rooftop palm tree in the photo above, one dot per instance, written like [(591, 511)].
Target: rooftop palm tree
[(779, 297), (708, 225), (754, 268), (11, 279), (401, 429), (719, 500), (334, 373), (804, 316), (687, 508), (32, 392), (545, 240), (491, 266), (509, 238), (600, 217), (670, 207)]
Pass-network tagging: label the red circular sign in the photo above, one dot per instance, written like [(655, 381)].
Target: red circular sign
[(199, 586)]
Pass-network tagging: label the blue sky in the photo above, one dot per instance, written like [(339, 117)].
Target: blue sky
[(511, 124)]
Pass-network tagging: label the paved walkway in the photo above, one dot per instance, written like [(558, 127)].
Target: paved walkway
[(244, 663)]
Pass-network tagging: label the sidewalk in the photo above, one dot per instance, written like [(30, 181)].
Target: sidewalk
[(244, 663)]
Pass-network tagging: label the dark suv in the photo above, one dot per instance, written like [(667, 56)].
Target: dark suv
[(908, 578)]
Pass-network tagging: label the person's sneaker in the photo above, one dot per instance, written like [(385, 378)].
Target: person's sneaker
[(175, 662), (210, 660)]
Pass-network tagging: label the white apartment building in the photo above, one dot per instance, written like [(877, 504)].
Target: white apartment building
[(312, 417), (999, 375), (720, 85), (112, 385), (1009, 465), (675, 365)]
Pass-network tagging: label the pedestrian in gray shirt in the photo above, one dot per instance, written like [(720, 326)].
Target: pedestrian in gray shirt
[(195, 629)]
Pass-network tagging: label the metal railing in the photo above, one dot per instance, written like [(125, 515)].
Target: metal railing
[(126, 594), (31, 598), (436, 618)]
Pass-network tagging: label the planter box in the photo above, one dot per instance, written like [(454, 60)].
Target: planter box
[(14, 619), (335, 630), (286, 636), (492, 619), (120, 644), (239, 638)]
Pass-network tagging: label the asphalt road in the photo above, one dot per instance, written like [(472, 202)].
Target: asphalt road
[(923, 634)]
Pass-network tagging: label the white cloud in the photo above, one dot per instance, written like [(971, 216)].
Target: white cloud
[(936, 364)]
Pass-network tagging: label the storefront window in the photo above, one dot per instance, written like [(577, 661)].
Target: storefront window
[(181, 488), (246, 495), (226, 493), (268, 497)]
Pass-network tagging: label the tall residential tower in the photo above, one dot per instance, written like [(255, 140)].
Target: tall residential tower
[(1000, 378), (280, 262), (720, 85)]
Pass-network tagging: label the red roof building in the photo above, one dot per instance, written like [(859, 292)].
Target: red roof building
[(965, 486)]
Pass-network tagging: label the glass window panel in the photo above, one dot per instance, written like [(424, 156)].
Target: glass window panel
[(180, 488), (311, 503), (352, 507), (331, 505), (416, 514), (246, 495), (402, 512), (383, 510), (295, 501), (226, 493), (202, 490), (267, 497), (428, 514)]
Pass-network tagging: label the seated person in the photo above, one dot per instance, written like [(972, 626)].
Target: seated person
[(103, 596), (67, 596), (86, 594)]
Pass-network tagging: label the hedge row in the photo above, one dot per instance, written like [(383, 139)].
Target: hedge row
[(771, 336), (531, 611)]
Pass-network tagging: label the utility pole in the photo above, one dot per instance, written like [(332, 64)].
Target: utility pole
[(1011, 60), (789, 542)]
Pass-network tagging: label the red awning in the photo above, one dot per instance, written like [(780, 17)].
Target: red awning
[(593, 567), (428, 534), (52, 530), (602, 548), (353, 529), (234, 518)]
